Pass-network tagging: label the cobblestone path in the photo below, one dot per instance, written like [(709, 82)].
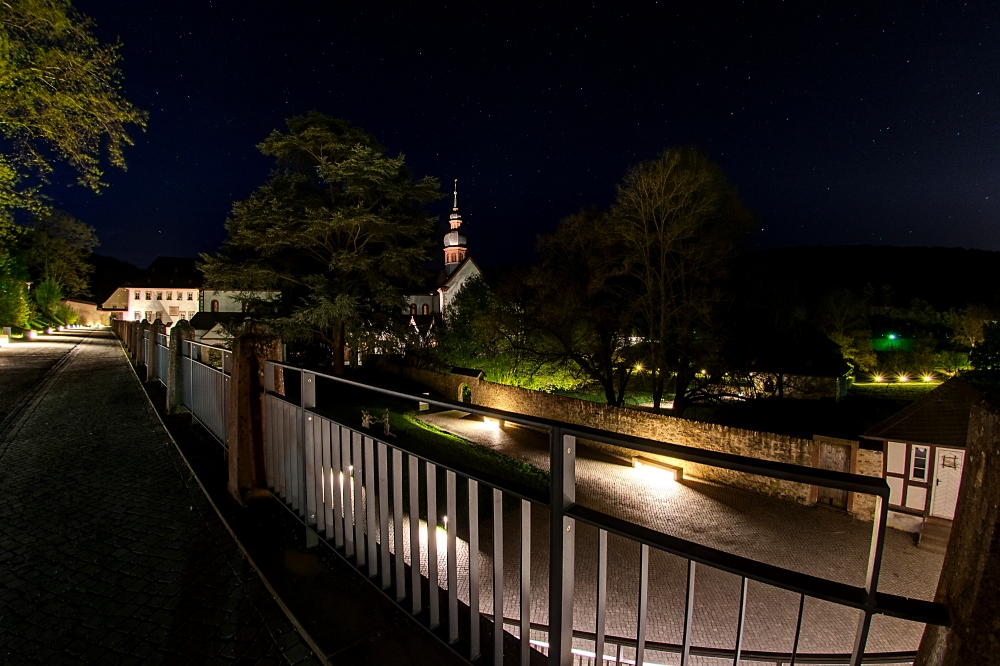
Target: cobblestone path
[(813, 540), (109, 551)]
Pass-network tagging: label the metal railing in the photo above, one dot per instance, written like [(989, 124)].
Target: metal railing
[(377, 505), (162, 354), (205, 381)]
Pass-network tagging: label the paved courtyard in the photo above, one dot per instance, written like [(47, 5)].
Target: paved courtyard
[(109, 551), (812, 540)]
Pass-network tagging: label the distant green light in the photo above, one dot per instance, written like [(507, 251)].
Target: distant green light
[(892, 336)]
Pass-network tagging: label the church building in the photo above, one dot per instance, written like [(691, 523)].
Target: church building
[(444, 284)]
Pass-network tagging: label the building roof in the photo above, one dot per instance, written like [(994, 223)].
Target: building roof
[(204, 321), (940, 418), (167, 272), (458, 269)]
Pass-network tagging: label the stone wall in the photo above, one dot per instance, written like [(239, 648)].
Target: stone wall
[(869, 464), (657, 427)]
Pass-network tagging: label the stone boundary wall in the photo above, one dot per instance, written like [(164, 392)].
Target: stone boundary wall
[(657, 427)]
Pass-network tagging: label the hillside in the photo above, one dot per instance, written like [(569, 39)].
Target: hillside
[(944, 277)]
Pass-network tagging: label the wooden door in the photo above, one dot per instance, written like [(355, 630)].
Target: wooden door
[(837, 457), (946, 483)]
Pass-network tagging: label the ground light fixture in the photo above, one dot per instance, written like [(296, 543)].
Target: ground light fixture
[(904, 378), (928, 377), (878, 378), (658, 469), (491, 424)]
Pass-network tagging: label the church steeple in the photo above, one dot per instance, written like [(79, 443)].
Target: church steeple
[(454, 241)]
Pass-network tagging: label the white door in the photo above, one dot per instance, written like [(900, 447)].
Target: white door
[(947, 480)]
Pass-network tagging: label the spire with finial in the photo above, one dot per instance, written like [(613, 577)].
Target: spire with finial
[(454, 240)]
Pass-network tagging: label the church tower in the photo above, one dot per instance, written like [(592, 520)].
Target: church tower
[(454, 241)]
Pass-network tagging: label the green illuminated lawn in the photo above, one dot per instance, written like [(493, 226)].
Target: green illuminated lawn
[(892, 390)]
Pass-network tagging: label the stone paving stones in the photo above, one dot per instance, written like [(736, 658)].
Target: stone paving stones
[(109, 551)]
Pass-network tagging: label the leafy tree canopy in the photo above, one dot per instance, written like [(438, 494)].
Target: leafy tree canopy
[(57, 248), (60, 99), (338, 229)]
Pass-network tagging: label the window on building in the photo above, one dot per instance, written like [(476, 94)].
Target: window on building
[(918, 468), (136, 296), (138, 316), (159, 295), (159, 315), (149, 295), (149, 315), (215, 306), (425, 310), (413, 308), (169, 295), (190, 296)]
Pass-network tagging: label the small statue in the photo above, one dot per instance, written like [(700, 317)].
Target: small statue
[(367, 421)]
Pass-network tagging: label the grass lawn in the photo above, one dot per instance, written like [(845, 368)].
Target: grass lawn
[(892, 390)]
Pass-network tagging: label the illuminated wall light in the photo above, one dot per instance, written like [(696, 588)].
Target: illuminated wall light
[(491, 424), (4, 341)]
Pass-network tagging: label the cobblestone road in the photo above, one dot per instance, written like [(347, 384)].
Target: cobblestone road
[(813, 540), (109, 552)]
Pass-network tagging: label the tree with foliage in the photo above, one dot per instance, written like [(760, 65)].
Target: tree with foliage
[(57, 248), (47, 295), (578, 307), (15, 308), (338, 229), (843, 317), (485, 329), (967, 324), (60, 99), (680, 224)]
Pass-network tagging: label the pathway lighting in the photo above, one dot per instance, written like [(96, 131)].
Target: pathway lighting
[(879, 378), (928, 378), (904, 378), (655, 469), (491, 424)]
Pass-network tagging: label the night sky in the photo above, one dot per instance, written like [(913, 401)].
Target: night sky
[(875, 123)]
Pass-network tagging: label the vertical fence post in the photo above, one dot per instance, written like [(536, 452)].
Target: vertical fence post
[(307, 401), (175, 366), (245, 426), (871, 579), (562, 546)]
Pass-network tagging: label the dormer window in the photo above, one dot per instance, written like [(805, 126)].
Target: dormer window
[(426, 309), (413, 308)]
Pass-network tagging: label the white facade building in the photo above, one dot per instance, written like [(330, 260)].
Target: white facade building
[(169, 290)]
